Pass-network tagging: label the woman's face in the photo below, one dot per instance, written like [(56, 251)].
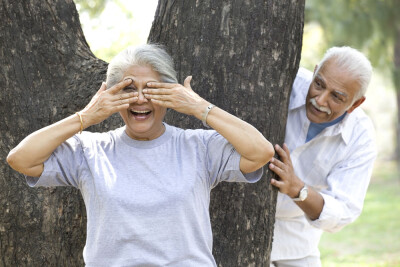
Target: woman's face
[(143, 119)]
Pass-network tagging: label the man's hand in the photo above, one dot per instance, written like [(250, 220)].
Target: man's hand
[(289, 183)]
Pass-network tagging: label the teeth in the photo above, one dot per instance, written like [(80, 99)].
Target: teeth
[(141, 111)]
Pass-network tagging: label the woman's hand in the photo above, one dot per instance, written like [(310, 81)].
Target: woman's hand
[(107, 102), (176, 96)]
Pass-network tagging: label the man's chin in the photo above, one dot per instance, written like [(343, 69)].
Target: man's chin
[(320, 118)]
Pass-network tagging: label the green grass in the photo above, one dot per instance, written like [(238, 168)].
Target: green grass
[(373, 240)]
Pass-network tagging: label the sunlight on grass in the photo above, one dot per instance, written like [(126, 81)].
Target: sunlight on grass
[(373, 240)]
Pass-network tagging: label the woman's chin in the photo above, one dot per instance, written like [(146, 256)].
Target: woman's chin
[(144, 132)]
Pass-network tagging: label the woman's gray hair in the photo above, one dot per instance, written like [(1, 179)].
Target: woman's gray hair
[(152, 55), (353, 62)]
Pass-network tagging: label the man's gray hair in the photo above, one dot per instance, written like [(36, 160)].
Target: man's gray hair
[(152, 55), (352, 61)]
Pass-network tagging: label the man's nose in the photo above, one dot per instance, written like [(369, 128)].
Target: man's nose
[(141, 98), (322, 99)]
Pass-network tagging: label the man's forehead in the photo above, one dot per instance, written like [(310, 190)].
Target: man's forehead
[(335, 78)]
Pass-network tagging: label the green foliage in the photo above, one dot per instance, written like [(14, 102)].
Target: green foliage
[(369, 25), (93, 7), (373, 239)]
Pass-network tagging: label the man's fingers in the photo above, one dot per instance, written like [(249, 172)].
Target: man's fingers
[(281, 152), (277, 183), (276, 170), (278, 163), (286, 149)]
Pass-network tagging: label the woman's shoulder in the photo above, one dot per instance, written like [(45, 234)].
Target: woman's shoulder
[(89, 139), (193, 135)]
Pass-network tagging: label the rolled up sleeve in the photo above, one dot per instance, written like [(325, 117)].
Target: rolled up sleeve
[(347, 186)]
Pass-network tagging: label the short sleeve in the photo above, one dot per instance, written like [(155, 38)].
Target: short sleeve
[(63, 167), (223, 161)]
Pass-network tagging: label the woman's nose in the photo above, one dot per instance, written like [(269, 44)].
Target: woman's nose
[(141, 98)]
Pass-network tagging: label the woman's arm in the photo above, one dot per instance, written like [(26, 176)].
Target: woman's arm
[(254, 149), (29, 155)]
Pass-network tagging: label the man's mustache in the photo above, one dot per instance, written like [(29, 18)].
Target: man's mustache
[(323, 109)]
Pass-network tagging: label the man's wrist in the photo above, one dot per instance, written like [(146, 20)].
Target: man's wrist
[(295, 191), (302, 195)]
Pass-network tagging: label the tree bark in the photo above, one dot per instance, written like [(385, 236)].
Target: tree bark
[(243, 56), (47, 73)]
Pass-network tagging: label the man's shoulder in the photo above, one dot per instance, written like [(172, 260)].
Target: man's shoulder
[(300, 88), (358, 127)]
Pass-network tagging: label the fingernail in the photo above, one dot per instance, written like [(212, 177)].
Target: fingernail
[(144, 91)]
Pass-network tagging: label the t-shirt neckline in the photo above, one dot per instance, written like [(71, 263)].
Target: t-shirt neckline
[(147, 144)]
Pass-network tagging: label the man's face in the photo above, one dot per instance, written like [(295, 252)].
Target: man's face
[(331, 94)]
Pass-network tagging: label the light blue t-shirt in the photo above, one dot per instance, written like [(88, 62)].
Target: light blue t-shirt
[(315, 128), (147, 202)]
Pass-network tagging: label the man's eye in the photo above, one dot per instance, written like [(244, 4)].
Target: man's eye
[(336, 97)]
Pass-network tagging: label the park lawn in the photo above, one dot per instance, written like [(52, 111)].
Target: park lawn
[(373, 240)]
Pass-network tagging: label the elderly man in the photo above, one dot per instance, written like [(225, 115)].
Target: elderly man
[(326, 162)]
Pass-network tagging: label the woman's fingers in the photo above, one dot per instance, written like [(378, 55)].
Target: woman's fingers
[(166, 104), (124, 96), (187, 81), (161, 85), (119, 86), (158, 97), (158, 91)]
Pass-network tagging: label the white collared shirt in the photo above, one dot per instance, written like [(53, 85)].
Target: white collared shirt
[(337, 163)]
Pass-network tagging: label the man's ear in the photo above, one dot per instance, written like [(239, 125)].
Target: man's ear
[(356, 104)]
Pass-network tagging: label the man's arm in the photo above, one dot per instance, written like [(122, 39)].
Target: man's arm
[(341, 203)]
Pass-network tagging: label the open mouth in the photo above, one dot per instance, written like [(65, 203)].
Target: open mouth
[(140, 114)]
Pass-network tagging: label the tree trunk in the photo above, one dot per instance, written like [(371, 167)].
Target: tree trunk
[(47, 73), (243, 56)]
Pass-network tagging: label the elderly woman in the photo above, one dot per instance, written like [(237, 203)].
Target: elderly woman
[(146, 186)]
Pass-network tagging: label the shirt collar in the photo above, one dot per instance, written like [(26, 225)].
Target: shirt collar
[(344, 127)]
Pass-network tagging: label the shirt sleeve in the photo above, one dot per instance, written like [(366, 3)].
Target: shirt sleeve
[(63, 167), (347, 187), (223, 162)]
